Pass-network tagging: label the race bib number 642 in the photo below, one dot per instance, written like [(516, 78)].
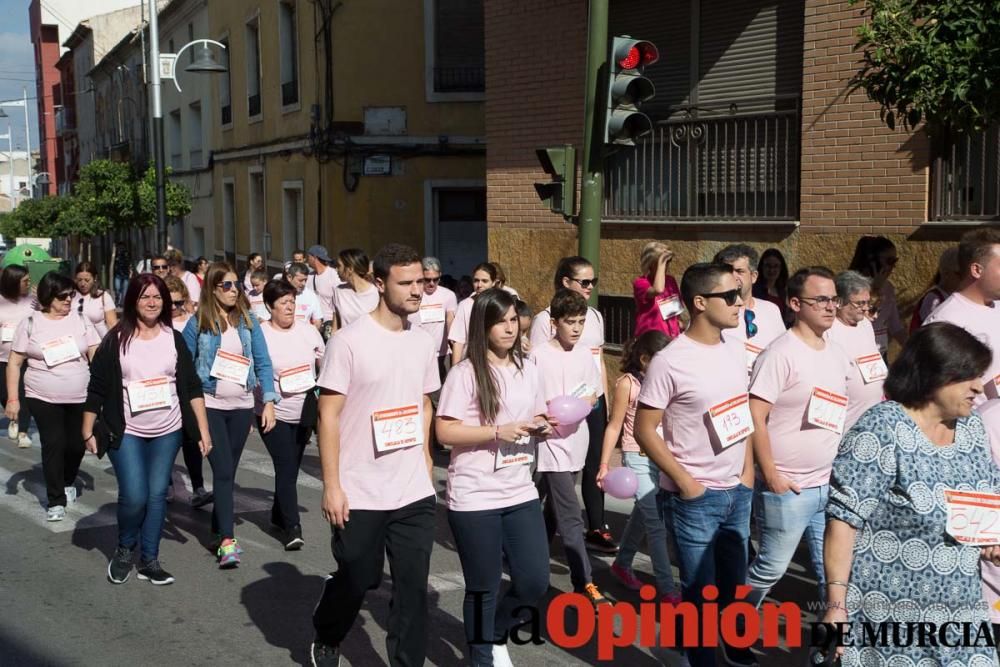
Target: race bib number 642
[(973, 518)]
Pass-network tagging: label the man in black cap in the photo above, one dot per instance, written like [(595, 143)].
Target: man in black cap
[(324, 280)]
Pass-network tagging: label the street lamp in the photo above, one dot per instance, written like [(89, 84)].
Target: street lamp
[(160, 67)]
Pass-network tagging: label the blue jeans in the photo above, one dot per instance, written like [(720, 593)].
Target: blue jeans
[(143, 466), (121, 286), (646, 520), (711, 533), (783, 520)]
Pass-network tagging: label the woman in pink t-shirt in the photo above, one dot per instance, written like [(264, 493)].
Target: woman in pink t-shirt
[(56, 344), (355, 295), (16, 303), (93, 302), (145, 391), (484, 277), (658, 304), (490, 411), (294, 346)]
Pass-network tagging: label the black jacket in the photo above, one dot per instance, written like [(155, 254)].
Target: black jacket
[(104, 393)]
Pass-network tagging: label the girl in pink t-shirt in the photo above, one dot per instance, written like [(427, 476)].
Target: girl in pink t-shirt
[(93, 302), (356, 295), (484, 277), (658, 304), (645, 518), (16, 303), (490, 412)]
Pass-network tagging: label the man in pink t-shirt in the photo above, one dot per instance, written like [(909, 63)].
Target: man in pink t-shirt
[(974, 306), (696, 388), (323, 281), (798, 400), (176, 261), (374, 423), (437, 310)]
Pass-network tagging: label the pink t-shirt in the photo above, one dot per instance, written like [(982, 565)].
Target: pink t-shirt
[(257, 306), (858, 343), (351, 305), (785, 376), (11, 314), (648, 314), (377, 369), (324, 284), (983, 322), (593, 329), (474, 480), (434, 308), (628, 382), (145, 360), (191, 281), (229, 395), (685, 380), (887, 323), (94, 309), (565, 373), (65, 382), (459, 331), (990, 412), (180, 322), (299, 345)]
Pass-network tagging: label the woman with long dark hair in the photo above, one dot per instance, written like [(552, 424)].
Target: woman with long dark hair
[(254, 263), (491, 409), (355, 295), (16, 303), (231, 358), (772, 280), (484, 277), (91, 301), (875, 257), (145, 391)]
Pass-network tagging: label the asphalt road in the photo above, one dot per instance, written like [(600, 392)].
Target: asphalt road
[(58, 608)]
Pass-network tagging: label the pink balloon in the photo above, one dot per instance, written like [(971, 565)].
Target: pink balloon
[(569, 410), (621, 483)]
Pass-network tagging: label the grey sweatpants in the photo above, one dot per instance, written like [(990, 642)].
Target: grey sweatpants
[(557, 490)]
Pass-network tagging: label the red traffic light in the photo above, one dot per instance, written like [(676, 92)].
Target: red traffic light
[(639, 53)]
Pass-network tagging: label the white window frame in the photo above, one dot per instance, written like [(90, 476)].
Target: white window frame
[(297, 105), (228, 77), (300, 224), (430, 206), (430, 12), (226, 238), (260, 67), (251, 206)]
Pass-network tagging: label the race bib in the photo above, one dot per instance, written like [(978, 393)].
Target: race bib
[(598, 357), (669, 306), (973, 518), (753, 352), (151, 394), (398, 428), (432, 313), (60, 350), (7, 332), (882, 339), (297, 379), (872, 367), (302, 312), (827, 410), (521, 452), (582, 390), (731, 419), (231, 367)]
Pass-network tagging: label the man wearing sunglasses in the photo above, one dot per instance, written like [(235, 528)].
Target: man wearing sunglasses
[(760, 321), (798, 399), (696, 388), (159, 266)]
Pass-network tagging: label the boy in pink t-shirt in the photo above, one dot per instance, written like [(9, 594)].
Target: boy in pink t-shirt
[(697, 389), (798, 400), (567, 369), (374, 423)]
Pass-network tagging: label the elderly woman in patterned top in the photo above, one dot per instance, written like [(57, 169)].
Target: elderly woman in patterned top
[(888, 558)]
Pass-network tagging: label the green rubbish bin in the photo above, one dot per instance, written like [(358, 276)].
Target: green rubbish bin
[(36, 260)]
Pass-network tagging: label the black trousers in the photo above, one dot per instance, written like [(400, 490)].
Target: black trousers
[(193, 461), (407, 536), (593, 497), (23, 414), (59, 429), (229, 430), (285, 443)]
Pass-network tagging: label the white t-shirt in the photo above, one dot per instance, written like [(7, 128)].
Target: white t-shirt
[(432, 316), (686, 379), (983, 322), (858, 343), (191, 281), (785, 376), (378, 370), (307, 308), (475, 482), (351, 305)]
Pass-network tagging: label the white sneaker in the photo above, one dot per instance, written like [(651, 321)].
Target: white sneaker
[(70, 494), (501, 658), (24, 441), (12, 429), (55, 513)]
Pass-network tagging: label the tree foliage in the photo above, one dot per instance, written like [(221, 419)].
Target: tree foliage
[(935, 61), (35, 217), (178, 199)]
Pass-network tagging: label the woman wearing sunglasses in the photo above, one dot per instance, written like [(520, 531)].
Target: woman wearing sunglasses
[(57, 343), (93, 302), (16, 303), (144, 389), (875, 257), (231, 359)]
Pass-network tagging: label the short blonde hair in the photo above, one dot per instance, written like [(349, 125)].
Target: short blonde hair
[(175, 284), (651, 253)]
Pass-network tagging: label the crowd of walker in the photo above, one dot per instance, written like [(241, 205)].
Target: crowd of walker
[(749, 397)]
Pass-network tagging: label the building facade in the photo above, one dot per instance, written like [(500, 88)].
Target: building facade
[(13, 176)]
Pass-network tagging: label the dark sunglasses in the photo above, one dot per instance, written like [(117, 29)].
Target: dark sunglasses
[(178, 304), (64, 296), (160, 267), (80, 309), (586, 283), (228, 285), (730, 296), (748, 319), (432, 280)]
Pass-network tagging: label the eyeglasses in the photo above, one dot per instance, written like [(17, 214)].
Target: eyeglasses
[(821, 301), (586, 283), (730, 296), (64, 296), (160, 267), (860, 305), (178, 304), (748, 319), (227, 285)]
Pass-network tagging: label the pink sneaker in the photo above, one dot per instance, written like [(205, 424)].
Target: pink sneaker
[(626, 576)]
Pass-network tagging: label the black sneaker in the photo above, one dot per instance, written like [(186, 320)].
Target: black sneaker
[(120, 566), (201, 497), (600, 541), (737, 657), (152, 572), (324, 655), (293, 539)]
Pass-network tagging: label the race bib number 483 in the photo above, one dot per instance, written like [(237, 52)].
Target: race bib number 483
[(398, 428), (973, 518)]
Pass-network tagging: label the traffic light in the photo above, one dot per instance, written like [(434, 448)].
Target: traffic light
[(627, 89), (559, 162)]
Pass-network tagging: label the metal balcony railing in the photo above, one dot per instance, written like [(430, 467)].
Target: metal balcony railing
[(619, 318), (965, 178), (730, 167), (460, 79)]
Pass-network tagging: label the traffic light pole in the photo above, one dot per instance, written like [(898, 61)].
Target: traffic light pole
[(591, 189)]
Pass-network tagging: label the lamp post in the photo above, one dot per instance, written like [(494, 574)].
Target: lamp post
[(204, 63)]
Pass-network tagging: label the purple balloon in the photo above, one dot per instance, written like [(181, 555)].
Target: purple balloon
[(569, 410), (621, 483)]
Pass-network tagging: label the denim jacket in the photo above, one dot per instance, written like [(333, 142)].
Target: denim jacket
[(203, 346)]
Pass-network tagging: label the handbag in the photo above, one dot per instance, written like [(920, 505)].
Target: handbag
[(103, 437)]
